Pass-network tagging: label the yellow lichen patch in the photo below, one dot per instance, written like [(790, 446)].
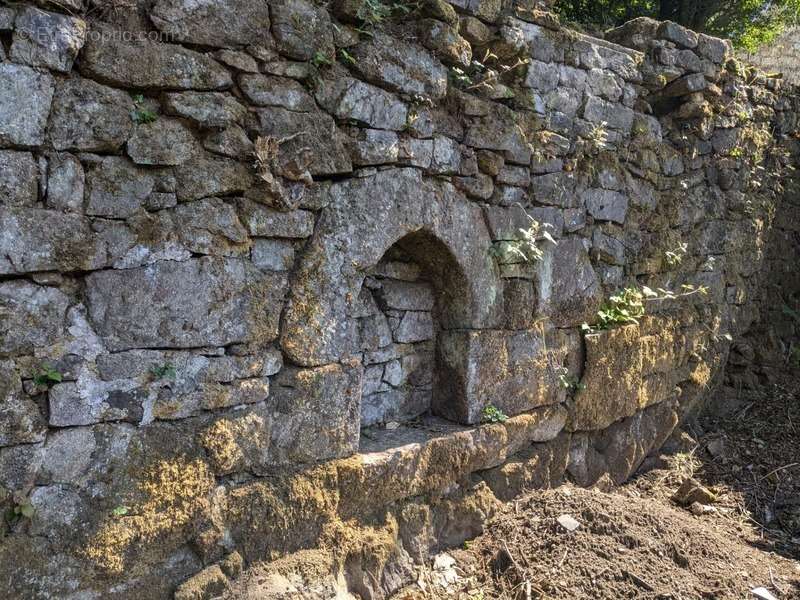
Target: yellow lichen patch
[(222, 441), (175, 493), (701, 374)]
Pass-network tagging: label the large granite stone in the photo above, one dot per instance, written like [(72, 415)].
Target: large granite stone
[(351, 99), (48, 40), (141, 63), (207, 109), (263, 221), (569, 290), (19, 178), (117, 188), (364, 218), (266, 90), (315, 133), (34, 239), (200, 302), (90, 117), (221, 23), (316, 413), (208, 175), (66, 182), (612, 379), (24, 105), (33, 317), (619, 450), (514, 371), (301, 29), (162, 142), (400, 66)]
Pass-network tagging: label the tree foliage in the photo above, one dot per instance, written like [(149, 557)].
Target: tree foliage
[(749, 23)]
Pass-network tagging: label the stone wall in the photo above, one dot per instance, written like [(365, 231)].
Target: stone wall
[(234, 233)]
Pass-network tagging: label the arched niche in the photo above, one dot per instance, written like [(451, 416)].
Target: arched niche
[(367, 217)]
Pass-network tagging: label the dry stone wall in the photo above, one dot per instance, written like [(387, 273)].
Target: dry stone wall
[(268, 268)]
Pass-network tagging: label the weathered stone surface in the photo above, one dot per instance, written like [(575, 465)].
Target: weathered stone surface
[(500, 130), (444, 41), (538, 466), (315, 413), (20, 419), (301, 29), (683, 86), (606, 205), (263, 90), (209, 175), (614, 116), (414, 327), (263, 221), (65, 183), (678, 34), (568, 288), (613, 378), (33, 316), (364, 218), (315, 133), (273, 255), (34, 239), (117, 188), (231, 142), (89, 116), (200, 302), (400, 67), (207, 109), (45, 39), (19, 178), (350, 99), (140, 63), (162, 142), (24, 105), (511, 370), (223, 23), (619, 450), (374, 147)]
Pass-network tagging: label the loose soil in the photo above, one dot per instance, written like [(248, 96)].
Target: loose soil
[(634, 541)]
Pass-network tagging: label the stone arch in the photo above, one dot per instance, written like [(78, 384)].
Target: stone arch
[(363, 219)]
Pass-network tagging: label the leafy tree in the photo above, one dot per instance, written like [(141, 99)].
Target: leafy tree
[(749, 23)]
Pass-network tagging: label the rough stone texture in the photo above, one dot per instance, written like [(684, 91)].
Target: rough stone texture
[(19, 178), (223, 23), (33, 317), (49, 40), (263, 90), (207, 109), (117, 188), (24, 105), (200, 302), (162, 142), (352, 99), (301, 29), (400, 67), (90, 117), (140, 63)]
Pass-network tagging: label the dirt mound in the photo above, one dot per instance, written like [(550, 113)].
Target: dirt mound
[(635, 541)]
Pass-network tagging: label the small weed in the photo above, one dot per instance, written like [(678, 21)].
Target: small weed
[(526, 247), (140, 114), (47, 376), (20, 509), (492, 414), (165, 371), (346, 57), (320, 60), (376, 12), (675, 257), (569, 382), (628, 306), (736, 153), (120, 511)]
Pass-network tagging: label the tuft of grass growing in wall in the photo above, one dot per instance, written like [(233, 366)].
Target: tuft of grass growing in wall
[(165, 371), (492, 414)]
